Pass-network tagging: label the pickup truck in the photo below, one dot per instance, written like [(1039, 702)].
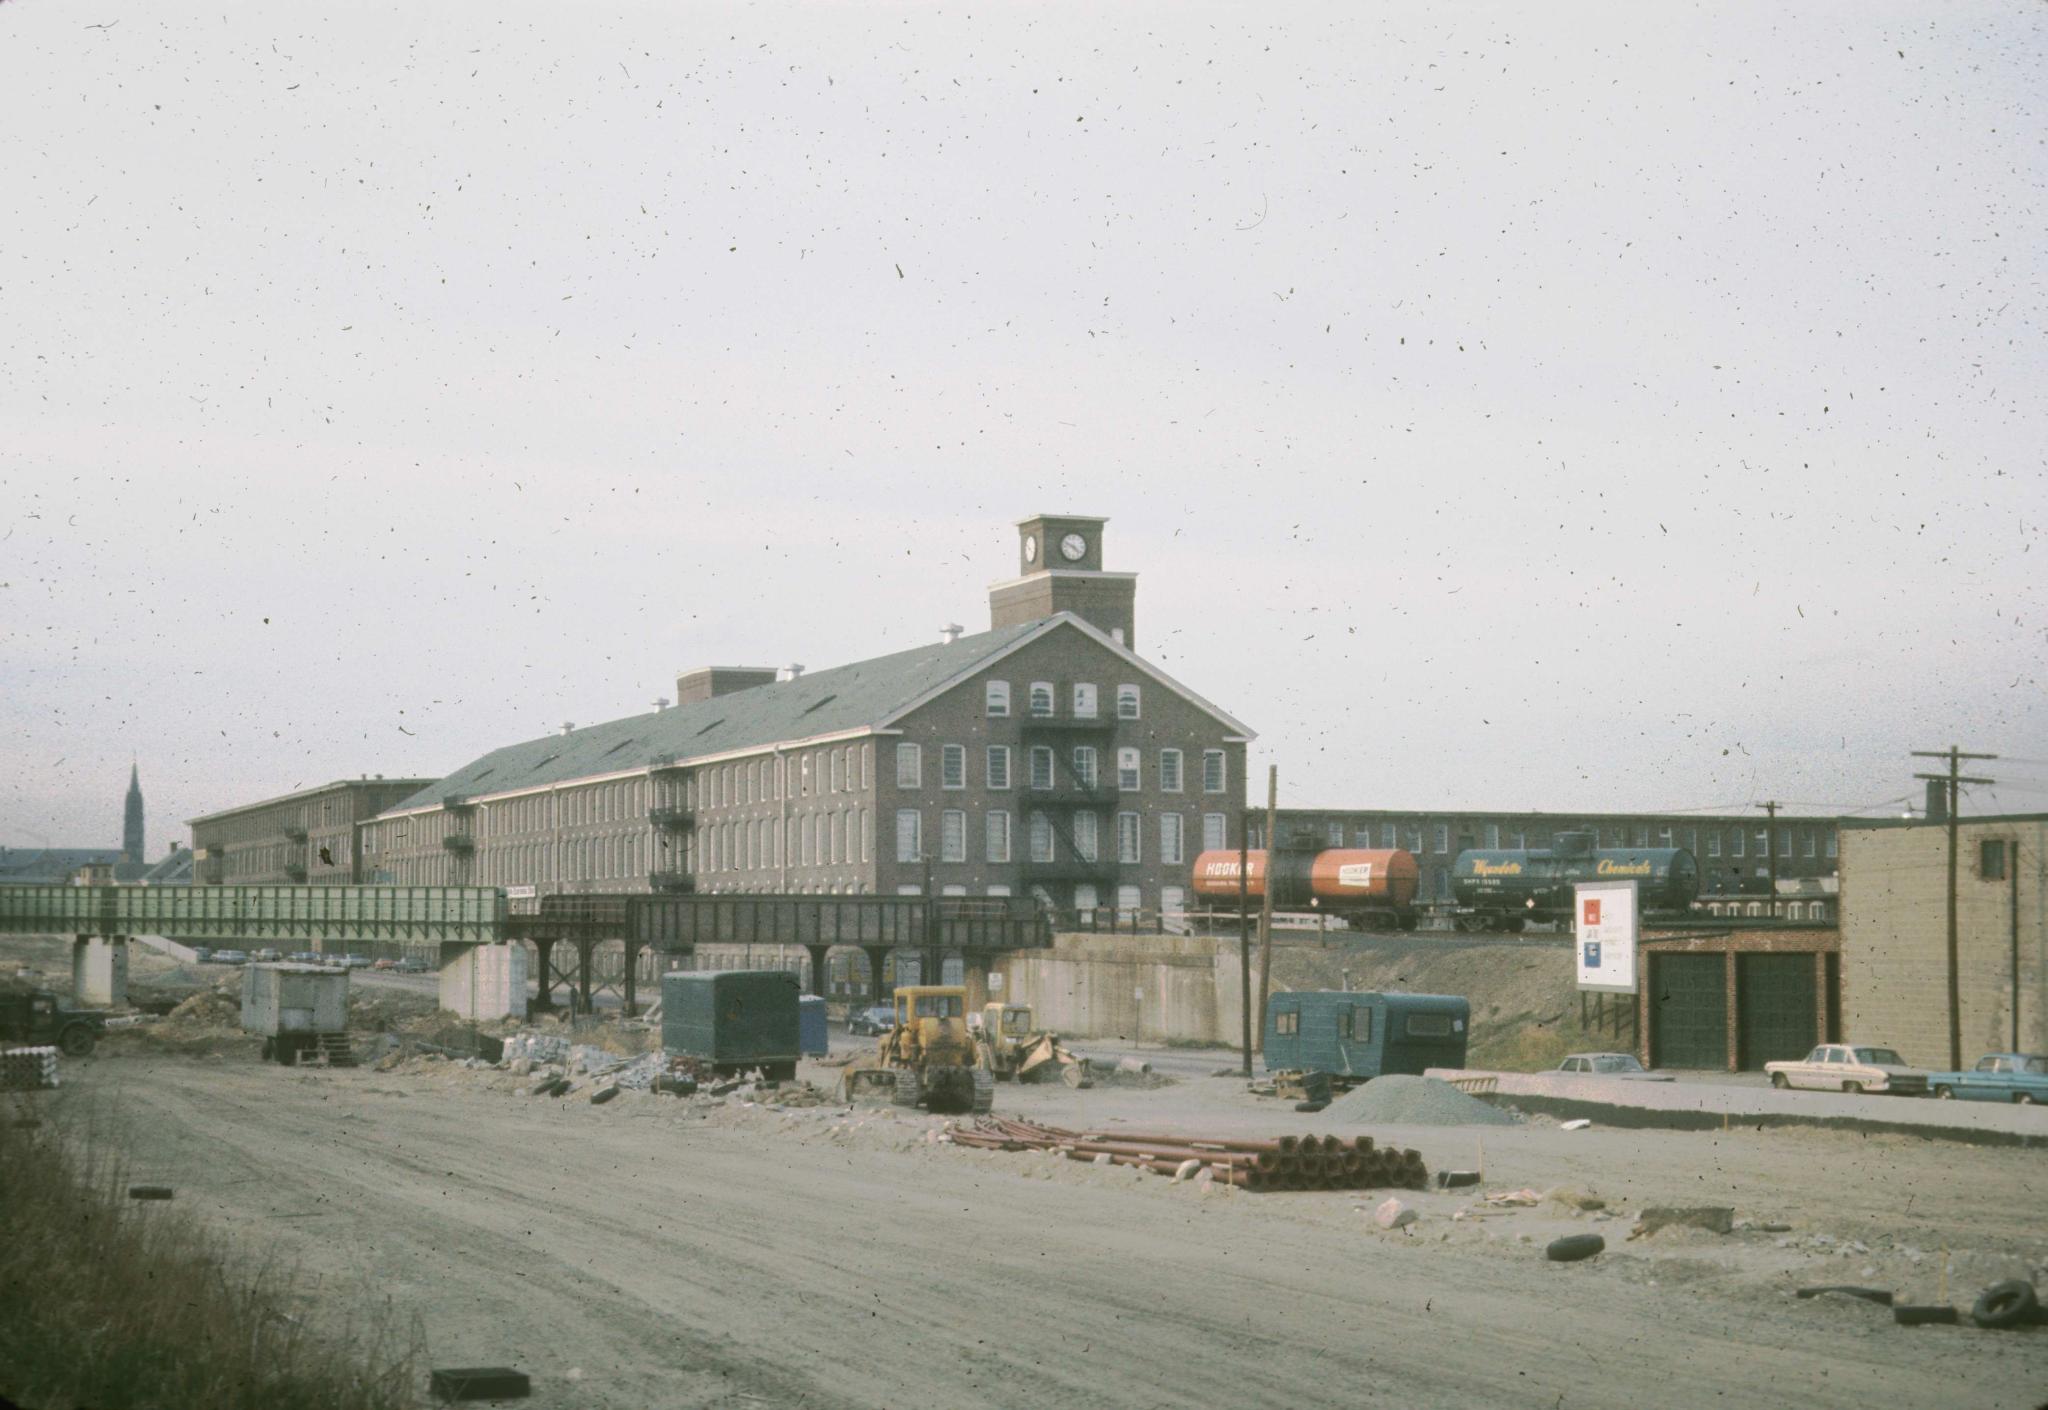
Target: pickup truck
[(37, 1018), (1850, 1067), (2021, 1078)]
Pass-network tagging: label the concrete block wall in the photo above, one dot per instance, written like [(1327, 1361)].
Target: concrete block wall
[(1159, 988), (1895, 940), (483, 982)]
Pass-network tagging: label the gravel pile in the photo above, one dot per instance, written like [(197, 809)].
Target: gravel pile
[(1401, 1100)]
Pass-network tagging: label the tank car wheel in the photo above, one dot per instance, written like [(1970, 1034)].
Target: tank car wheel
[(984, 1092)]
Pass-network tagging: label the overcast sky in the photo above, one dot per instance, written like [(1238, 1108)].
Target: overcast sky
[(1581, 407)]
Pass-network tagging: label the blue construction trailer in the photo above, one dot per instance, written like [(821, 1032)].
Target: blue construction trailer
[(1356, 1035)]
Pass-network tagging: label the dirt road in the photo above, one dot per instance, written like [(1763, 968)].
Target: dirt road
[(637, 1254)]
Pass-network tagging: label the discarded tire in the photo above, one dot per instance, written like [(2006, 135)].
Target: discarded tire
[(1310, 1106), (603, 1095), (559, 1087), (2007, 1304), (149, 1192), (1573, 1247), (1925, 1316), (1456, 1179)]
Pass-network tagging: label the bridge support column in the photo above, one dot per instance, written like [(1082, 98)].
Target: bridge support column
[(974, 975), (818, 954), (584, 949), (878, 955), (483, 982), (99, 970), (544, 954), (632, 989)]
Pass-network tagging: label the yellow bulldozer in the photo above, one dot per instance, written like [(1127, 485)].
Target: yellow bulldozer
[(928, 1058), (1015, 1050)]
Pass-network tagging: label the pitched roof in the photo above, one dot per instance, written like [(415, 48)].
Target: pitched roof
[(47, 865), (864, 696)]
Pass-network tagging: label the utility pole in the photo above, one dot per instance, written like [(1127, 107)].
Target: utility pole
[(1955, 780), (1771, 849), (1244, 930), (1266, 899)]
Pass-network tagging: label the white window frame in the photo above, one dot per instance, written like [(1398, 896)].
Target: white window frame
[(1130, 840), (1045, 753), (1042, 692), (996, 835), (1215, 831), (1084, 761), (1215, 771), (1390, 837), (1172, 839), (1130, 770), (952, 766), (1045, 846), (1088, 836), (998, 764), (1171, 779), (1086, 700), (996, 699), (1443, 838), (909, 766), (1129, 702), (953, 835), (909, 835)]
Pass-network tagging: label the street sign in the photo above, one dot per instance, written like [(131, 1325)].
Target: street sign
[(1604, 927)]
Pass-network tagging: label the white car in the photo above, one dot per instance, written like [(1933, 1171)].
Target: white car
[(1850, 1067), (1622, 1065)]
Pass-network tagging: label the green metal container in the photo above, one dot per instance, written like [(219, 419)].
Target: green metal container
[(395, 914), (733, 1019)]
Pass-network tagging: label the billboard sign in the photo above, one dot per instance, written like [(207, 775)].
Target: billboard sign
[(1604, 927)]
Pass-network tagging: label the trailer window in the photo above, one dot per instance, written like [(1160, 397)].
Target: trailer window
[(1287, 1022), (1355, 1025), (1429, 1025)]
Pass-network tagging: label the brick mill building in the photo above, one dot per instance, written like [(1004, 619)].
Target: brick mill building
[(1041, 757)]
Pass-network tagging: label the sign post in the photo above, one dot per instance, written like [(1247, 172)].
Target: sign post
[(1604, 923)]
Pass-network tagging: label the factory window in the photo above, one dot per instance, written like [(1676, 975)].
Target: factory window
[(1129, 842), (1713, 842), (952, 766), (1736, 843), (1335, 833), (1084, 700), (997, 696), (1171, 826), (1784, 841), (996, 833), (1763, 842), (1642, 837), (1214, 771), (867, 836), (1173, 903), (1493, 836), (952, 836), (838, 771), (999, 766), (1664, 837), (1169, 775), (1831, 846), (909, 835), (1214, 835), (812, 850), (1127, 702), (1041, 698), (1041, 766), (1443, 837), (835, 838), (1991, 860), (1084, 766), (1287, 1023), (804, 769), (1415, 838), (1806, 844), (1128, 769), (999, 891), (909, 767), (790, 848), (1041, 838), (1085, 901), (1087, 838), (1388, 837), (1129, 899)]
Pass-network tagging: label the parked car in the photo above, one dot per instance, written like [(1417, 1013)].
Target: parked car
[(1622, 1065), (351, 961), (876, 1018), (412, 964), (230, 957), (1850, 1067), (304, 957), (386, 963), (1997, 1077), (265, 956)]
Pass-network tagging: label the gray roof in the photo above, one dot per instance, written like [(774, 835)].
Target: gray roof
[(48, 865), (859, 696)]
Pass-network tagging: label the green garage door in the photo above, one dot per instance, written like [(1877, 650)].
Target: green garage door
[(1688, 1011), (1776, 1009)]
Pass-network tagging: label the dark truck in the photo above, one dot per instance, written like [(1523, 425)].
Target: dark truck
[(36, 1018), (1356, 1035), (734, 1020)]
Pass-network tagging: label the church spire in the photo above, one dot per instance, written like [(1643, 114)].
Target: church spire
[(131, 822)]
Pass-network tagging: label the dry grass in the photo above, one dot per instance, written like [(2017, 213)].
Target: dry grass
[(116, 1303)]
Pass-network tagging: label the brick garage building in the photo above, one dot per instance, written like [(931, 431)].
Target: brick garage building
[(1895, 936), (1734, 1000)]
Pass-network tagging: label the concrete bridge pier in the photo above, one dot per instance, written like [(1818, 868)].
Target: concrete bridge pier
[(878, 955), (544, 952), (99, 970), (632, 1007), (482, 982), (818, 954)]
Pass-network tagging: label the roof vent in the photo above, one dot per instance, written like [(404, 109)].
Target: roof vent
[(568, 725), (950, 633), (660, 703), (792, 670)]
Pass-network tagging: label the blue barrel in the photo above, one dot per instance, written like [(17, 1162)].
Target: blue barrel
[(810, 1026)]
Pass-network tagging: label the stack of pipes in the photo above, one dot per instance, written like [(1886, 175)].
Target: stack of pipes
[(1284, 1163)]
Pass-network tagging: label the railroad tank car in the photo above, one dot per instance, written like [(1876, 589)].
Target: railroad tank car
[(1503, 889), (1365, 886)]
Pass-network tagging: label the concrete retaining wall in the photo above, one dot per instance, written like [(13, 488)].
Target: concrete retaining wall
[(1161, 988)]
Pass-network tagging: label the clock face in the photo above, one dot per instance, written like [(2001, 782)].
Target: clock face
[(1030, 548), (1073, 546)]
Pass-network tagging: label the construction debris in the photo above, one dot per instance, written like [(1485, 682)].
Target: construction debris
[(28, 1069), (1715, 1219), (1284, 1163)]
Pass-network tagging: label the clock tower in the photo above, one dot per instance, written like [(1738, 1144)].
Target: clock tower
[(1060, 562)]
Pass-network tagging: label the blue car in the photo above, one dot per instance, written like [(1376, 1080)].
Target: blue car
[(1997, 1077)]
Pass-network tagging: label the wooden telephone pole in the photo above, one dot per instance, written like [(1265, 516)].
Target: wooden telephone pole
[(1954, 779), (1771, 849), (1266, 900)]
